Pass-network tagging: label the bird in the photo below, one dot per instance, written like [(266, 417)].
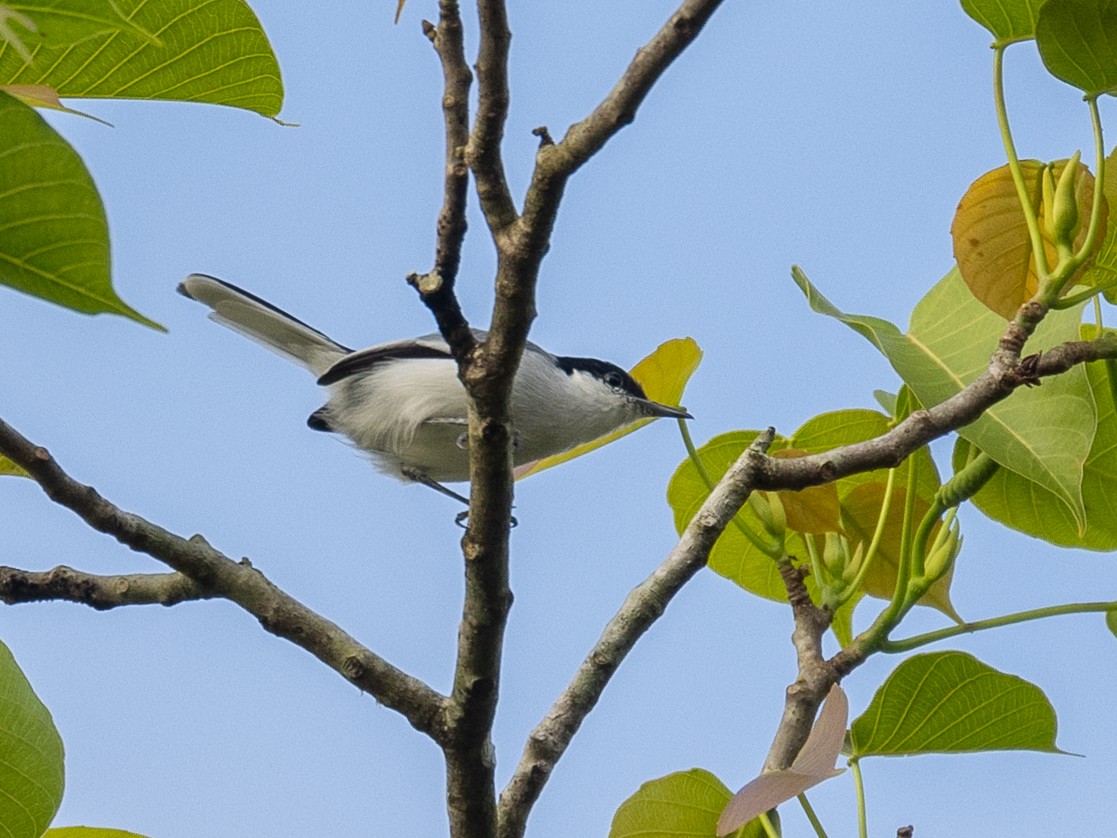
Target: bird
[(402, 402)]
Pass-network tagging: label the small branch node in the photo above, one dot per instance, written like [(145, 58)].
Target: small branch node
[(425, 284), (353, 668), (544, 136)]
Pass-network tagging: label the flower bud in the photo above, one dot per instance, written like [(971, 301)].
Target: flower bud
[(1063, 222), (944, 550)]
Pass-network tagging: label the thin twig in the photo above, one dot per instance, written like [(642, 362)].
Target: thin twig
[(239, 582), (483, 153), (437, 287), (815, 676), (97, 591), (1005, 374)]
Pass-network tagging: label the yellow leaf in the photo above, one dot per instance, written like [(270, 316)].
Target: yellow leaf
[(991, 241), (663, 375), (813, 510), (861, 509), (8, 467)]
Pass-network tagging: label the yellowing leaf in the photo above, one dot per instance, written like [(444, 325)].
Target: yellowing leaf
[(860, 513), (8, 467), (991, 241), (663, 375), (813, 510)]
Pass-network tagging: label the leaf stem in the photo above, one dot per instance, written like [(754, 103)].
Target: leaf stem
[(1034, 235), (769, 828), (915, 642), (811, 816), (874, 545), (859, 785), (1069, 263)]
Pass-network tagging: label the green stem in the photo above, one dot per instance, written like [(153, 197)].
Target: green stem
[(874, 545), (859, 785), (886, 620), (909, 643), (1069, 265), (1071, 300), (811, 816), (1042, 272), (771, 548), (769, 828), (960, 488)]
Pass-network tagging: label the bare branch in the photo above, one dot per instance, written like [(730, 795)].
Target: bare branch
[(641, 608), (437, 288), (1004, 375), (815, 675), (483, 152), (555, 163), (100, 592), (239, 582)]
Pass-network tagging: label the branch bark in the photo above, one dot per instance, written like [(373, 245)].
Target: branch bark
[(436, 288), (217, 574), (642, 607), (483, 153), (99, 592)]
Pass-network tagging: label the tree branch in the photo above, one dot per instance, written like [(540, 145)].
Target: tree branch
[(1004, 375), (100, 592), (555, 163), (815, 675), (239, 582), (437, 287), (642, 607), (483, 153)]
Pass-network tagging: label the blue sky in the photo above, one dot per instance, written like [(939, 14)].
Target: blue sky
[(835, 136)]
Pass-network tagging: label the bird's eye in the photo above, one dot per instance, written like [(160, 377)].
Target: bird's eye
[(614, 380)]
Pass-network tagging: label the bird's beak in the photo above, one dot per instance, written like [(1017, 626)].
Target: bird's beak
[(657, 410)]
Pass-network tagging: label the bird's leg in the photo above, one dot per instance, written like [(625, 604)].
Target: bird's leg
[(461, 517)]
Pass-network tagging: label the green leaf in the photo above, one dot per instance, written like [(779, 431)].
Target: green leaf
[(11, 37), (1077, 41), (1025, 505), (89, 832), (735, 557), (663, 374), (53, 234), (1102, 270), (1111, 622), (844, 427), (1042, 433), (66, 22), (214, 52), (886, 400), (31, 770), (950, 702), (1008, 20), (686, 803)]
